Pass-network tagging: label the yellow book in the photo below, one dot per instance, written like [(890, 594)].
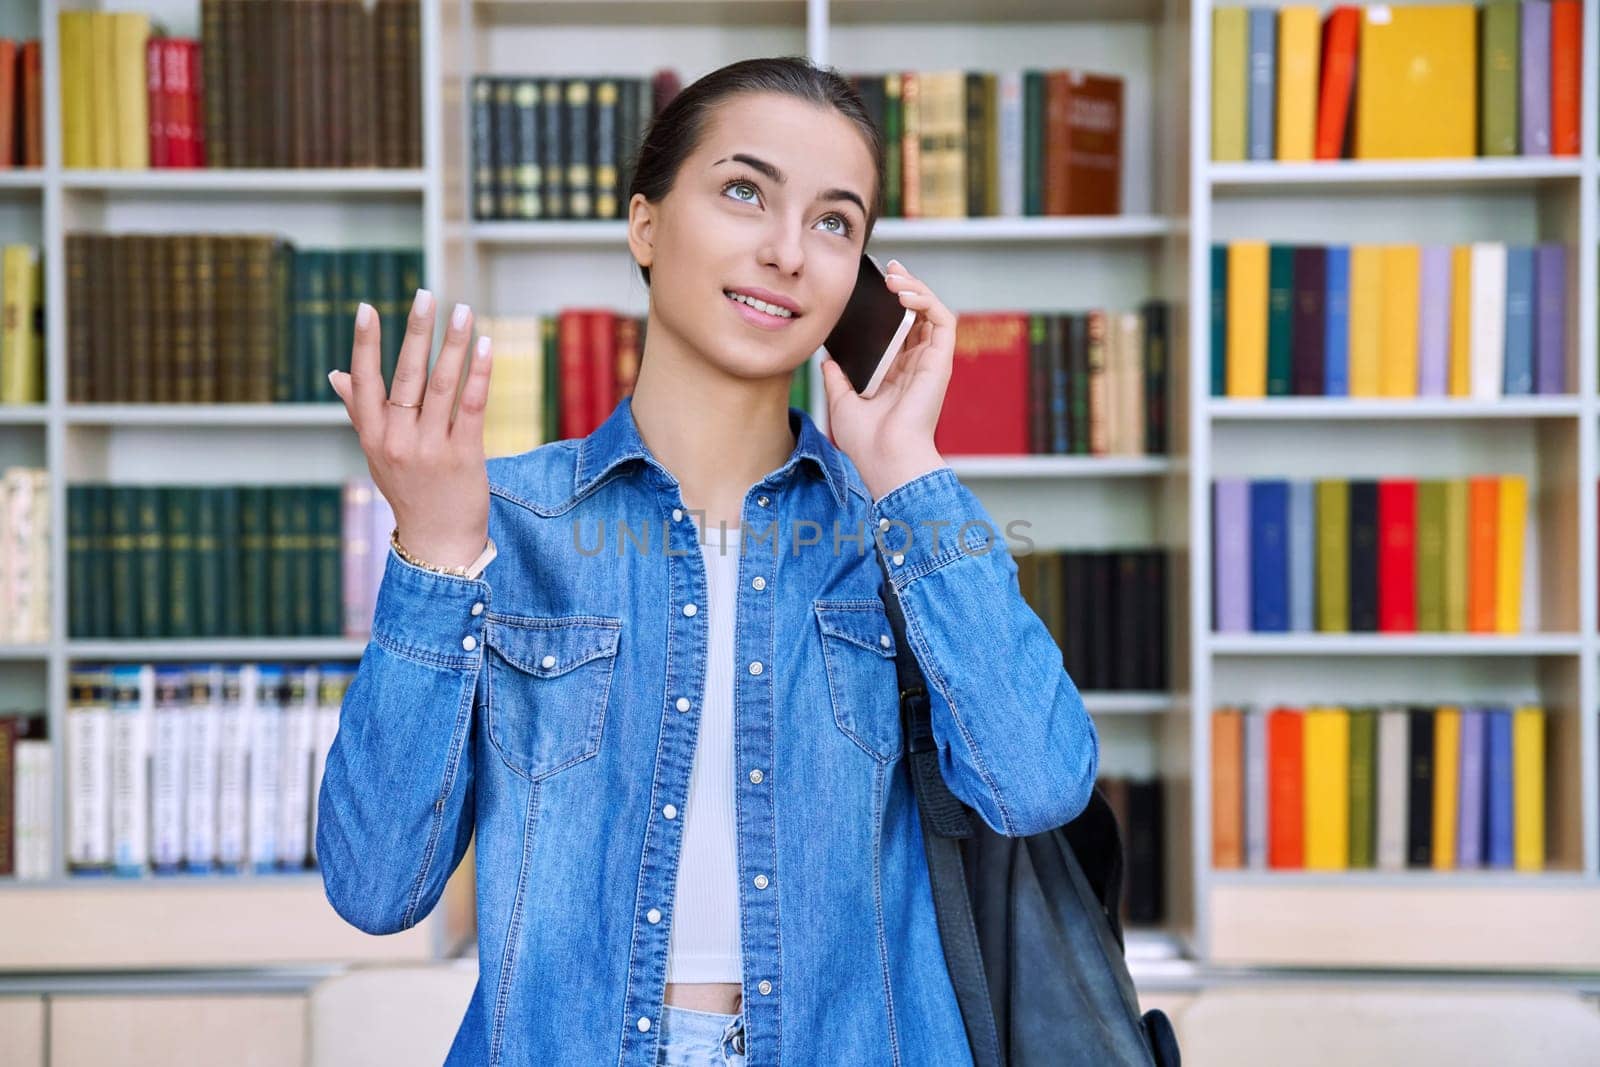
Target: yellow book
[(102, 89), (1402, 296), (1333, 555), (1366, 318), (1508, 561), (1326, 815), (131, 107), (1446, 781), (1299, 49), (77, 134), (1247, 318), (1229, 37), (21, 354), (1417, 82), (1527, 787), (1455, 555), (1460, 321)]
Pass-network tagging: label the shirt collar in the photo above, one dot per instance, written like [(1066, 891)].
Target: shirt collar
[(617, 440)]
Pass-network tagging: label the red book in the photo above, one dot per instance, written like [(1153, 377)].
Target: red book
[(1340, 31), (602, 363), (571, 340), (155, 84), (8, 102), (32, 147), (175, 90), (986, 402), (1397, 556), (1566, 75), (197, 125), (1083, 143), (1285, 789)]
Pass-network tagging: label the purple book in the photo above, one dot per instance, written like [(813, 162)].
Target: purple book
[(1469, 821), (1230, 551), (1433, 322), (1535, 67), (1550, 319)]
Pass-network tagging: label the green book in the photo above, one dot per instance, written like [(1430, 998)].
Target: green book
[(253, 506), (230, 616), (1033, 134), (280, 590), (150, 559), (384, 293), (182, 563), (1219, 320), (122, 548), (1229, 70), (1498, 78), (1363, 792), (1333, 555), (300, 558), (209, 590), (328, 538), (550, 337), (1280, 319), (1430, 556), (1455, 555), (892, 168), (100, 556), (79, 546)]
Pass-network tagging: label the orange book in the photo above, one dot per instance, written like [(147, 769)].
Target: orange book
[(8, 102), (1483, 518), (1227, 788), (1566, 75), (1285, 789), (1339, 33)]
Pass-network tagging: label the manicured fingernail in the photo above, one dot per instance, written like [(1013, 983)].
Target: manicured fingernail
[(483, 348), (422, 303), (364, 316), (894, 263), (458, 317)]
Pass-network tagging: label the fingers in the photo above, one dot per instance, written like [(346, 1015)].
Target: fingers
[(411, 369), (446, 378), (363, 393), (468, 426)]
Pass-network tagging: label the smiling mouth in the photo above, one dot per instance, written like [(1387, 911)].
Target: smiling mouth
[(772, 311)]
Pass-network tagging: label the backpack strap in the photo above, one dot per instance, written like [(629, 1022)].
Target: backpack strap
[(945, 819)]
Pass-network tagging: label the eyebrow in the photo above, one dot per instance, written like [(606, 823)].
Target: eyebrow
[(778, 176)]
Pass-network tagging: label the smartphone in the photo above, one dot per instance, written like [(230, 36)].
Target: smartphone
[(869, 335)]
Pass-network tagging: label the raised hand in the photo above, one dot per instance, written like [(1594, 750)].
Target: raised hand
[(428, 465)]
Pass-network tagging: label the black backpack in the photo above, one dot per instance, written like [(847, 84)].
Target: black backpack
[(1030, 925)]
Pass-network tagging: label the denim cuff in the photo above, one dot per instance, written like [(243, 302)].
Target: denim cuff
[(432, 617), (928, 522)]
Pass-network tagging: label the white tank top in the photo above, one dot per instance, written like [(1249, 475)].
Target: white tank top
[(703, 941)]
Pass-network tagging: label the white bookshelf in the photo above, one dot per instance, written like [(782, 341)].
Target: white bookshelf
[(1176, 203)]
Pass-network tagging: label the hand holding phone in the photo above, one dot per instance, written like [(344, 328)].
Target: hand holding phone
[(870, 334)]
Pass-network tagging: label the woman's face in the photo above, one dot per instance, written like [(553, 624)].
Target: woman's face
[(789, 219)]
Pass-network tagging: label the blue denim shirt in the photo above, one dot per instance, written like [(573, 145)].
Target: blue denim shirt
[(552, 706)]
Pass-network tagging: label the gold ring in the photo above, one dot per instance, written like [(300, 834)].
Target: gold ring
[(398, 404)]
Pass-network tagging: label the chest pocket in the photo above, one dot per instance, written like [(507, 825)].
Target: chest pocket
[(859, 651), (548, 683)]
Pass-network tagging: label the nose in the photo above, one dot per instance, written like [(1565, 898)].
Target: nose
[(783, 249)]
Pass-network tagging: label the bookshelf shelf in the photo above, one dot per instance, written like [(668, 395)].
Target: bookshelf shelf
[(1388, 175), (1036, 466), (1102, 702), (22, 179), (343, 182), (1408, 878), (179, 415), (1449, 644), (647, 12), (144, 649), (1377, 408), (1048, 229), (23, 415), (24, 653)]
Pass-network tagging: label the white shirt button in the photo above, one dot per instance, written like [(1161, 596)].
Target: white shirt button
[(689, 609), (548, 662), (670, 812), (883, 524), (761, 881), (758, 583), (898, 559), (683, 704), (469, 642), (477, 609), (677, 514), (644, 1023), (755, 666), (756, 776), (762, 500), (765, 987), (654, 915), (883, 639)]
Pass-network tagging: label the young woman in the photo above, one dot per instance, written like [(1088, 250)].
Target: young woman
[(668, 708)]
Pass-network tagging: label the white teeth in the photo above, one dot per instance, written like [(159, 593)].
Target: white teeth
[(759, 305)]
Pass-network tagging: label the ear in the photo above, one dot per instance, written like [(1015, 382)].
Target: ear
[(641, 227)]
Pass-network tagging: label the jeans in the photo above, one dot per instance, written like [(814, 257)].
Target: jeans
[(691, 1038)]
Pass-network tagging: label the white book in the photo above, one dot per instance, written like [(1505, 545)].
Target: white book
[(1128, 423), (203, 753), (88, 773), (132, 689), (167, 766), (356, 567), (333, 681), (233, 763), (1487, 351), (32, 796), (1255, 780), (1008, 87), (299, 744), (266, 753), (1393, 747)]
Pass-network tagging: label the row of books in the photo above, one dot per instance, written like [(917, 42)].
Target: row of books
[(24, 555), (269, 83), (1058, 383), (1139, 804), (21, 325), (1385, 786), (206, 768), (1106, 609), (1389, 555), (206, 560), (1390, 82), (1481, 320), (203, 318), (1020, 142), (21, 116), (26, 794)]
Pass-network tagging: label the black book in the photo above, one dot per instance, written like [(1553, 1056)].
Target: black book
[(1363, 556), (1419, 788)]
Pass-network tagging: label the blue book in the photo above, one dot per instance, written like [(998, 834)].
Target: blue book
[(1219, 320), (1469, 812), (1302, 556), (1336, 347), (1498, 833), (1269, 559), (1519, 321), (1263, 92), (1550, 326)]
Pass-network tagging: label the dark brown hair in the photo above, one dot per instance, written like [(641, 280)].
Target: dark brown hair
[(675, 132)]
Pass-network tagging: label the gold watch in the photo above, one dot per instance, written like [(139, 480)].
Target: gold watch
[(471, 570)]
